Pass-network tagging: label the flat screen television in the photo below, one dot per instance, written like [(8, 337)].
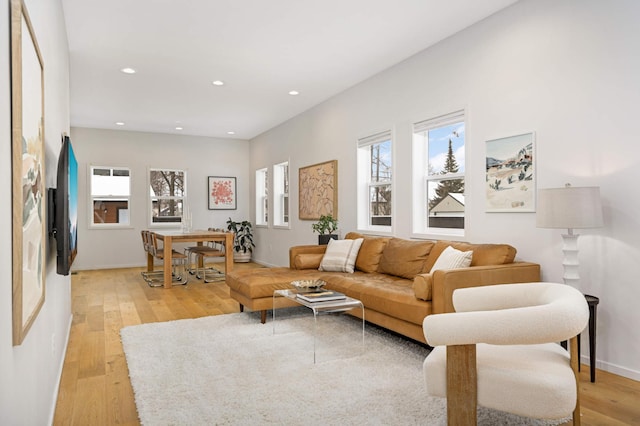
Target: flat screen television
[(63, 207)]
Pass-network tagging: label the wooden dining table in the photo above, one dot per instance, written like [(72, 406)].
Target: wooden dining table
[(200, 237)]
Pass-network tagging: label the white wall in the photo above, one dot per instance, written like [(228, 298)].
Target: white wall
[(199, 156), (567, 70), (29, 373)]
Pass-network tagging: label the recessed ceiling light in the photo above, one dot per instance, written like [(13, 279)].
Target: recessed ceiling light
[(218, 83), (178, 128), (119, 123), (128, 70), (294, 93), (231, 133)]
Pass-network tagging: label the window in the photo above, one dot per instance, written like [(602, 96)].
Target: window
[(167, 192), (262, 197), (375, 182), (110, 189), (438, 164), (281, 194)]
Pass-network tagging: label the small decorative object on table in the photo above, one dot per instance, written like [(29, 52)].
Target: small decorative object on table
[(310, 285)]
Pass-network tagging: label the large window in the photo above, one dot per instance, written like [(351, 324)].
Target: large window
[(110, 190), (375, 182), (167, 192), (438, 165), (281, 194), (262, 197)]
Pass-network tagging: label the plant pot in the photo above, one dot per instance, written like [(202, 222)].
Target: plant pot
[(323, 239), (241, 257)]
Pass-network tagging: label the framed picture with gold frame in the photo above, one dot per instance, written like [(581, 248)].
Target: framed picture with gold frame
[(318, 190), (28, 174)]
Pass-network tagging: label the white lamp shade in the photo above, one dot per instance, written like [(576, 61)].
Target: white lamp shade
[(569, 207)]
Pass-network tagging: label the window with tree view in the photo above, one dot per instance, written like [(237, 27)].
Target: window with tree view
[(439, 147), (375, 182), (167, 192)]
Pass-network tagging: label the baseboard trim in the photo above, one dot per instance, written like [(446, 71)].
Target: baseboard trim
[(612, 368), (56, 390)]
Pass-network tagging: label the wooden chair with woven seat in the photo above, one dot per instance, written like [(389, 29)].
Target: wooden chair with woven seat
[(178, 259), (500, 350)]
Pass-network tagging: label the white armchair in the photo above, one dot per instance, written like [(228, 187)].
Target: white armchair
[(499, 350)]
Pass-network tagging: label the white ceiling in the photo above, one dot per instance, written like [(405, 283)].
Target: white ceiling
[(261, 49)]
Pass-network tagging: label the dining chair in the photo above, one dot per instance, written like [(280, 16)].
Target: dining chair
[(213, 249), (179, 272)]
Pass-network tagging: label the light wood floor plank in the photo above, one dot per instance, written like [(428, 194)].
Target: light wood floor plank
[(95, 387)]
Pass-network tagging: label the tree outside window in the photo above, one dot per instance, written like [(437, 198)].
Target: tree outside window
[(167, 192)]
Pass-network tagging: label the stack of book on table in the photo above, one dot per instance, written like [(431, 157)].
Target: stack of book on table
[(321, 296)]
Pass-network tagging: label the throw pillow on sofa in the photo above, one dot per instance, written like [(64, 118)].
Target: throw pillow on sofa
[(451, 258), (340, 255)]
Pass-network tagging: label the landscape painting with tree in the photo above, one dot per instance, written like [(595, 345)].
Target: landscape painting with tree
[(510, 179), (445, 182)]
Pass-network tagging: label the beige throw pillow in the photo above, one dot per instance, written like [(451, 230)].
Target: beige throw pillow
[(340, 255), (451, 258)]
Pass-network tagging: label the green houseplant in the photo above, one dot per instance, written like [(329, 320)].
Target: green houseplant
[(243, 239), (326, 226)]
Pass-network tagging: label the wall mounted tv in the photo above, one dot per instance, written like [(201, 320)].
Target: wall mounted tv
[(63, 208)]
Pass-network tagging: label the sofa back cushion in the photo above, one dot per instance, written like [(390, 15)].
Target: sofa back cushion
[(483, 254), (404, 258), (370, 251)]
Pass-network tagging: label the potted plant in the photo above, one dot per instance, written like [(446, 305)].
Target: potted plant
[(242, 241), (326, 226)]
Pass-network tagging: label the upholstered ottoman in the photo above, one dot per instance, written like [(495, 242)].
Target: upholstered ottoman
[(253, 288)]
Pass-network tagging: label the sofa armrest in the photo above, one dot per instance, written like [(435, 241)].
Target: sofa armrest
[(446, 281), (302, 250)]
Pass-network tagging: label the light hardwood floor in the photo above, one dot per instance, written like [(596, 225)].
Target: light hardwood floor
[(95, 387)]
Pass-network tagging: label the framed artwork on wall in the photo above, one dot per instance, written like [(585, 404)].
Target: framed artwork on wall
[(318, 190), (510, 182), (222, 193), (28, 174)]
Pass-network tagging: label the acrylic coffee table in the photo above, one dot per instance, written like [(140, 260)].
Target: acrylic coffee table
[(331, 306)]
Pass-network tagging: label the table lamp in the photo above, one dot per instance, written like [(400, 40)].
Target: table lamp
[(571, 208)]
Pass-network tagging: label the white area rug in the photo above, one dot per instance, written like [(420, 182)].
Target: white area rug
[(230, 369)]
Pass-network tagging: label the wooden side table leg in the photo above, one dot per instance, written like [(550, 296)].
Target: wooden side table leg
[(592, 301)]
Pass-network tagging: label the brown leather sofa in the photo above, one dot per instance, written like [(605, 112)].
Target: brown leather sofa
[(392, 278)]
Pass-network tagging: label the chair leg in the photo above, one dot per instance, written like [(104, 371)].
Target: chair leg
[(462, 385), (573, 354)]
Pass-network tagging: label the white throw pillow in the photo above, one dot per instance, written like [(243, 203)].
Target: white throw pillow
[(451, 258), (340, 255)]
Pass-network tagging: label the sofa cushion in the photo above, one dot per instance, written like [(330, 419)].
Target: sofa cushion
[(257, 283), (341, 255), (389, 294), (404, 258), (370, 253), (483, 254), (451, 258), (307, 260)]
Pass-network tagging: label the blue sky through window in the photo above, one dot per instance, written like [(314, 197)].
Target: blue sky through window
[(439, 145)]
